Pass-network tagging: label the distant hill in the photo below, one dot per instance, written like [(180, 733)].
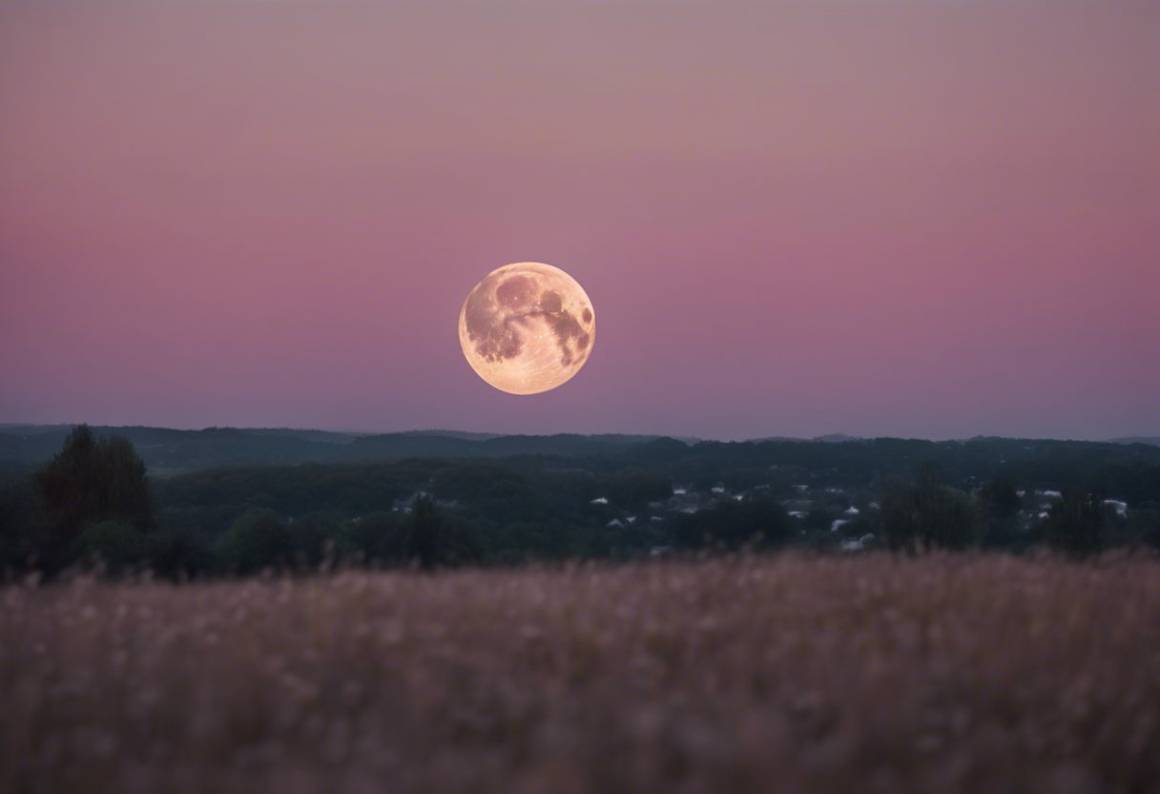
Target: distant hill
[(1152, 440), (167, 451), (832, 438)]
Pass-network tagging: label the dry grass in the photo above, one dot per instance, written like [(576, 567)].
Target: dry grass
[(947, 674)]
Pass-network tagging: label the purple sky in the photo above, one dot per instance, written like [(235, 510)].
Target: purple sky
[(924, 218)]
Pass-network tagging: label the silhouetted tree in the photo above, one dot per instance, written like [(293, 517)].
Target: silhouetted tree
[(1144, 527), (309, 537), (423, 542), (178, 553), (257, 540), (25, 528), (999, 513), (116, 546), (375, 538), (1076, 524), (91, 480), (927, 514)]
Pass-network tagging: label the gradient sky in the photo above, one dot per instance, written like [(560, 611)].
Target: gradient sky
[(932, 219)]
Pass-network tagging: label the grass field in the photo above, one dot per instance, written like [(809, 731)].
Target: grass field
[(873, 674)]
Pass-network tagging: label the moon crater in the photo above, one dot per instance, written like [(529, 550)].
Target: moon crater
[(527, 328)]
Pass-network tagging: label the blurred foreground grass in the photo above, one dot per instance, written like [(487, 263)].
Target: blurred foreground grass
[(870, 674)]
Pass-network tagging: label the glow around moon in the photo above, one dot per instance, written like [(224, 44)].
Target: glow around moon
[(527, 328)]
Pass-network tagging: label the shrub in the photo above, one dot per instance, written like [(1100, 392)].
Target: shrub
[(116, 546), (258, 539)]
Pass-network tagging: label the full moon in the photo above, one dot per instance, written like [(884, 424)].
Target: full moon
[(527, 328)]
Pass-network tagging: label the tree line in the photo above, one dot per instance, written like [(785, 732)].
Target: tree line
[(92, 506)]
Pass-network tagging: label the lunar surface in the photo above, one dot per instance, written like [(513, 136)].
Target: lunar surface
[(527, 328)]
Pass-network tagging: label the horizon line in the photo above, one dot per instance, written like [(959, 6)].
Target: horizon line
[(834, 437)]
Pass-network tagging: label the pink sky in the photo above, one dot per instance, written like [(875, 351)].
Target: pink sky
[(924, 219)]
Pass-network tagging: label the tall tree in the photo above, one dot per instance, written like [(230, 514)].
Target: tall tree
[(257, 539), (92, 480), (998, 507), (927, 514), (424, 542), (1077, 523)]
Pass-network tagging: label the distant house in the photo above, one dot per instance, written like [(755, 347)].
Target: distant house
[(1121, 508), (600, 500), (680, 491), (718, 489), (837, 524), (405, 504), (797, 514), (852, 511), (858, 544), (684, 502), (615, 523)]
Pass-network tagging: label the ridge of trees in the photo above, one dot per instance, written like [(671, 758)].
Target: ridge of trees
[(92, 505)]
